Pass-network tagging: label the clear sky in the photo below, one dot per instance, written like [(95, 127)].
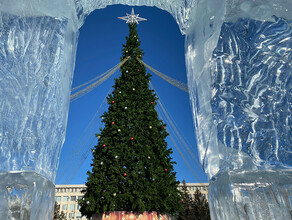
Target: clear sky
[(99, 49)]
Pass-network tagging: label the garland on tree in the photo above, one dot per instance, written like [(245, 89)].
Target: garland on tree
[(132, 168)]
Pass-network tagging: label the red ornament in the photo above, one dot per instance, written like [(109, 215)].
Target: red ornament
[(151, 103), (113, 123), (132, 138), (125, 174), (138, 70), (113, 102), (103, 145), (163, 126), (165, 170)]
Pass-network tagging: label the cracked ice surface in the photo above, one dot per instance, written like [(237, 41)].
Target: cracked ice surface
[(238, 57), (36, 66)]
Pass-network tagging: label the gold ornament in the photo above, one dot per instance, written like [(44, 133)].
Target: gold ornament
[(98, 137), (134, 89), (119, 130), (150, 126), (114, 194), (149, 157)]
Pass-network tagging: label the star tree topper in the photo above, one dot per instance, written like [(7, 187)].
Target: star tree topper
[(132, 18)]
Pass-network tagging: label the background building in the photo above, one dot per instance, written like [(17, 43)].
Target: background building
[(67, 196)]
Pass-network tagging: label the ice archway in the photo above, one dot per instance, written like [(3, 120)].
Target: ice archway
[(238, 57)]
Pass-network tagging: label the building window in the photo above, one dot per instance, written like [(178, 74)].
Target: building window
[(75, 189), (65, 207), (78, 206), (72, 207), (65, 198), (58, 198), (78, 215), (71, 215), (73, 198), (80, 197)]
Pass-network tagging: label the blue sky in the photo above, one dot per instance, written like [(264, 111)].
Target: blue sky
[(99, 49)]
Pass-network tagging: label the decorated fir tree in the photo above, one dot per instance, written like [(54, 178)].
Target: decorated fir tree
[(132, 168)]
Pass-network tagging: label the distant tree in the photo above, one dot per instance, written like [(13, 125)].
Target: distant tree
[(196, 208), (57, 214), (187, 212), (201, 207)]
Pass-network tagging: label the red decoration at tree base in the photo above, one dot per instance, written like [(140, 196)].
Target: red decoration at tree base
[(119, 215)]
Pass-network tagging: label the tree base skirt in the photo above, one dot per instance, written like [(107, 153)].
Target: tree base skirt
[(122, 215)]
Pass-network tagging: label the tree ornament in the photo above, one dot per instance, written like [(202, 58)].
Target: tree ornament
[(125, 174), (132, 138), (163, 126), (150, 126), (113, 123), (114, 194), (152, 103), (140, 55), (127, 71), (93, 150), (120, 92), (165, 170), (126, 107), (101, 163), (87, 202), (116, 156), (113, 102), (134, 89), (126, 51), (149, 157), (103, 145), (119, 130), (98, 137), (138, 70)]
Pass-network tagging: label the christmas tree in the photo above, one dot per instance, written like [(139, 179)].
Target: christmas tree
[(132, 168)]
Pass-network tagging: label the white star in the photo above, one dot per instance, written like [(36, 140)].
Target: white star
[(132, 18)]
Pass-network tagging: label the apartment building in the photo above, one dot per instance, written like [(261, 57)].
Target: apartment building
[(67, 196), (192, 188)]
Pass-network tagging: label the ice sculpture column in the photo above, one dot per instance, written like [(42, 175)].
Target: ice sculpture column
[(239, 62), (37, 53)]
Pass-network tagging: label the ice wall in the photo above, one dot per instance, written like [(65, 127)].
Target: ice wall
[(37, 53), (238, 57)]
